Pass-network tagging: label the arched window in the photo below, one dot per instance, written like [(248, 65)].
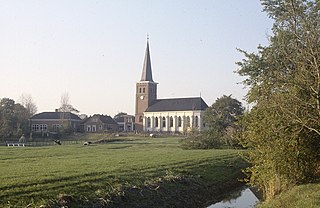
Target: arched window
[(171, 121), (196, 121), (148, 122), (140, 90), (156, 122), (140, 119), (188, 121), (144, 90), (163, 121), (179, 121)]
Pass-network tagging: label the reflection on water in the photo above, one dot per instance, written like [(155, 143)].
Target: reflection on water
[(241, 199)]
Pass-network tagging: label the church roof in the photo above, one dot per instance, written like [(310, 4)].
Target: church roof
[(177, 104), (146, 71)]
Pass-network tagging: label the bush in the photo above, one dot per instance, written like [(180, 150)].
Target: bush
[(200, 141)]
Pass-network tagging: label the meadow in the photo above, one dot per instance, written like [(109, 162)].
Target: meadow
[(124, 171)]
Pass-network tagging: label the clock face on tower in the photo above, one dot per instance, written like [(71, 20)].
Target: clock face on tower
[(141, 97)]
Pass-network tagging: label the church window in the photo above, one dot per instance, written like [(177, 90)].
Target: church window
[(188, 121), (156, 121), (144, 90), (140, 90), (179, 121), (148, 122), (196, 121), (163, 121), (171, 121), (140, 119)]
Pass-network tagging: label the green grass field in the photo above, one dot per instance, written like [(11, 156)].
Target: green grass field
[(36, 176)]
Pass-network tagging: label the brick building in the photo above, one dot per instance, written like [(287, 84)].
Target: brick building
[(46, 122)]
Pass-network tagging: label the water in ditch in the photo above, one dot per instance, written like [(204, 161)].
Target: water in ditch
[(244, 198)]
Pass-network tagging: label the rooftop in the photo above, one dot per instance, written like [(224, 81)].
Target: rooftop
[(177, 104)]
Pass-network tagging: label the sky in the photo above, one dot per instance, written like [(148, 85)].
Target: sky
[(94, 50)]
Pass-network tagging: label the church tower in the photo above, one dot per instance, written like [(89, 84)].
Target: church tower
[(146, 90)]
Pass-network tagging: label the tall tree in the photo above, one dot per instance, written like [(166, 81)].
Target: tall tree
[(27, 101), (6, 117), (220, 119), (282, 130), (65, 113), (13, 118), (65, 105), (21, 118)]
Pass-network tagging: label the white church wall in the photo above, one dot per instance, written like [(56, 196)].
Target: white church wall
[(173, 121)]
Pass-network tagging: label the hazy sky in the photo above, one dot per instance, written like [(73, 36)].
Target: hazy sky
[(94, 50)]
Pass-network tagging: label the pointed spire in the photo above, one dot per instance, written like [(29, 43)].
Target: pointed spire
[(146, 71)]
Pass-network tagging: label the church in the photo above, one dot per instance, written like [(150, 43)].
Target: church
[(164, 115)]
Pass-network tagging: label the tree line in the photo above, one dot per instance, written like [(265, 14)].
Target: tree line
[(282, 130)]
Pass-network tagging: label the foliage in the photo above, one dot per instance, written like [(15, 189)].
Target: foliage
[(307, 195), (220, 121), (13, 119), (282, 130), (65, 113), (65, 106), (198, 141), (27, 102), (87, 174)]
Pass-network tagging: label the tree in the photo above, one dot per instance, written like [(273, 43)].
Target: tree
[(220, 120), (282, 130), (21, 119), (6, 117), (65, 105), (65, 112), (27, 101), (13, 118)]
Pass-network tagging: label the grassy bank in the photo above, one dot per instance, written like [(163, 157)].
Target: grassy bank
[(127, 171), (307, 196)]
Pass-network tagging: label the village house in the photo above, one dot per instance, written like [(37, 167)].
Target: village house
[(100, 123), (53, 122), (125, 122)]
